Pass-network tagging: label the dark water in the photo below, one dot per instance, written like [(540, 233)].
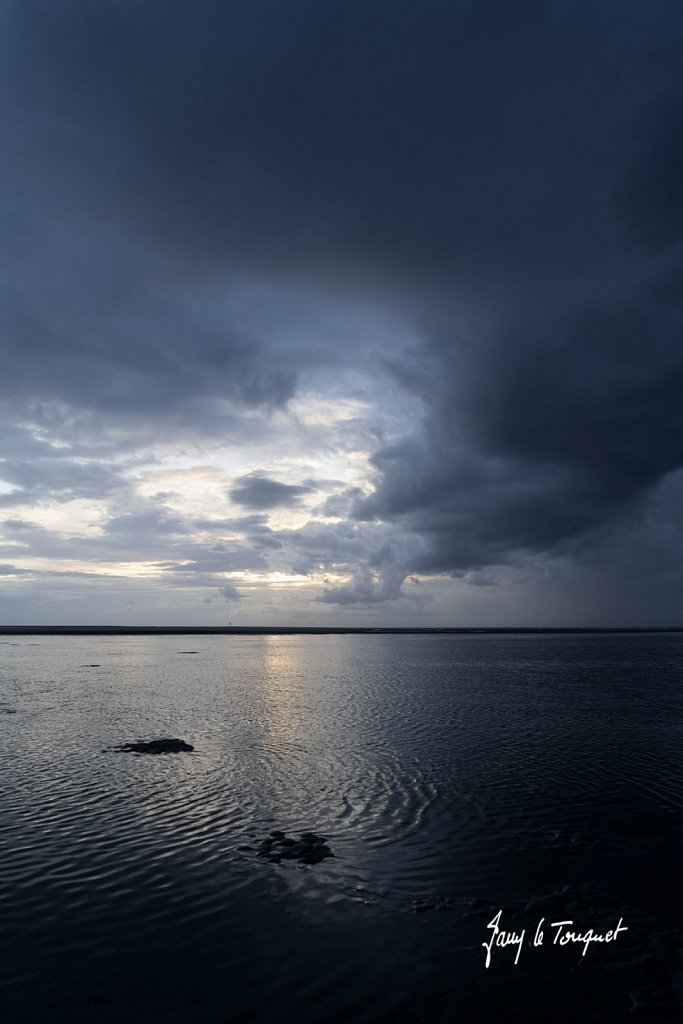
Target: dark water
[(453, 777)]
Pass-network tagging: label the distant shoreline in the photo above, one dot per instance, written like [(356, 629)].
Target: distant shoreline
[(317, 630)]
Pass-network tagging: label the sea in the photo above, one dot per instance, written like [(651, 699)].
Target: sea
[(503, 814)]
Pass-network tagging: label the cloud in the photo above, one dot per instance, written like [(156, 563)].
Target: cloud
[(341, 504), (156, 519), (561, 424), (258, 491), (63, 481), (366, 588), (235, 558), (648, 192), (196, 206)]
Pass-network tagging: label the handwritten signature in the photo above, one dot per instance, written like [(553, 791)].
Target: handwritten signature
[(563, 935)]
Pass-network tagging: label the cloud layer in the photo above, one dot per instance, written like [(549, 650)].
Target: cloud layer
[(407, 278)]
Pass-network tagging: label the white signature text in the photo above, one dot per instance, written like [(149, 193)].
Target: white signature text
[(563, 934)]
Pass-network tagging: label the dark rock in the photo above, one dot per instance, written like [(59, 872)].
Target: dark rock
[(315, 855), (309, 848), (162, 746)]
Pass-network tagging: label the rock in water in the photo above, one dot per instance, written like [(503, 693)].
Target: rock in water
[(309, 848), (162, 746)]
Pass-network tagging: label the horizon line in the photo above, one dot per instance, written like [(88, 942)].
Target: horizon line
[(119, 630)]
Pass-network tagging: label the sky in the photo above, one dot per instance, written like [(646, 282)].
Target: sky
[(341, 313)]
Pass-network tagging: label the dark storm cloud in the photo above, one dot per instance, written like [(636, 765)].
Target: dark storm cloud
[(560, 423), (507, 175), (95, 332), (258, 491), (300, 137), (649, 192)]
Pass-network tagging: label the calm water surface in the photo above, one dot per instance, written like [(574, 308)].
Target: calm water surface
[(452, 775)]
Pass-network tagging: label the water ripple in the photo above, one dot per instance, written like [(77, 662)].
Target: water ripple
[(437, 768)]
